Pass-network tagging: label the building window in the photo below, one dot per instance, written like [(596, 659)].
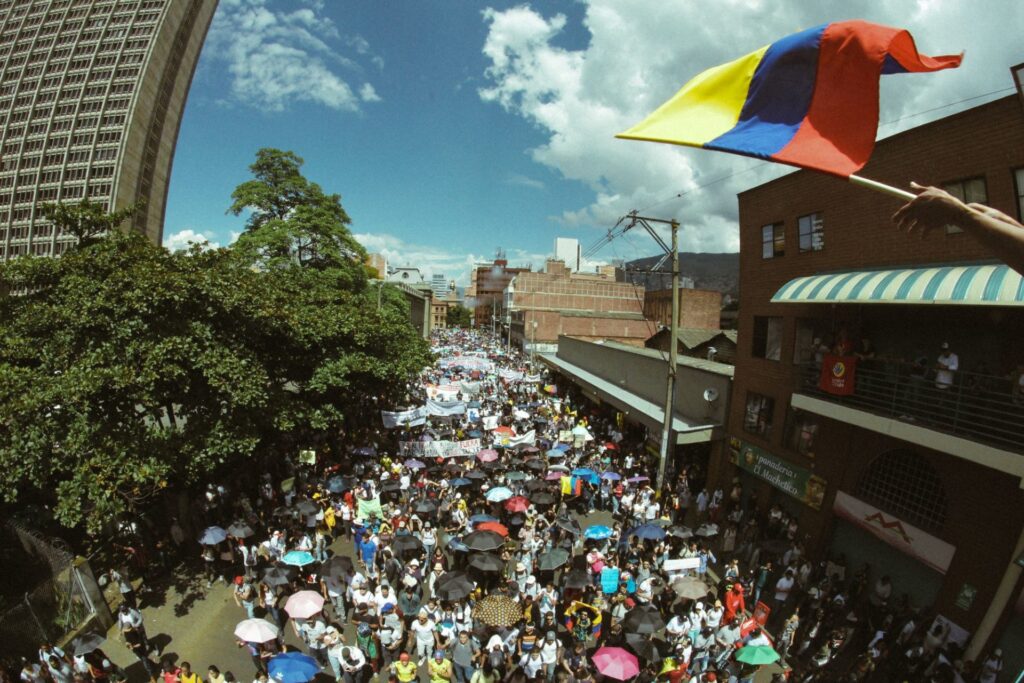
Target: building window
[(967, 190), (812, 232), (767, 338), (773, 241), (1018, 177), (758, 416), (801, 430), (905, 484)]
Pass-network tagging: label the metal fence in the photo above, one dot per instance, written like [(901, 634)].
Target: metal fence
[(58, 605), (978, 407)]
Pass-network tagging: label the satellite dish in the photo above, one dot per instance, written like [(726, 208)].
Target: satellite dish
[(711, 395)]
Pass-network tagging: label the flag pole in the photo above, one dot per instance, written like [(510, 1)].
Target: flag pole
[(882, 187)]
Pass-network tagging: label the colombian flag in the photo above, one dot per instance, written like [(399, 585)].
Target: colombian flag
[(809, 100)]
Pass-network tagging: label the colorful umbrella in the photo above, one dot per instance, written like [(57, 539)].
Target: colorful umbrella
[(498, 494), (256, 631), (212, 536), (611, 476), (487, 455), (597, 532), (298, 558), (617, 663), (415, 464), (517, 504), (504, 430), (304, 604), (757, 655), (498, 610), (496, 527), (553, 476), (292, 667)]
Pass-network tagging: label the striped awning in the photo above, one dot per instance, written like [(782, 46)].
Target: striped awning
[(975, 285)]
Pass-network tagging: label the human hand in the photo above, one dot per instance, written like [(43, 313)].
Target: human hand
[(931, 208)]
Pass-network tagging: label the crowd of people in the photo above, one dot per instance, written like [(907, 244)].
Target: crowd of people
[(518, 537)]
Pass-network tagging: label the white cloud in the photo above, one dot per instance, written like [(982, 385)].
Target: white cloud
[(524, 181), (276, 57), (184, 239), (640, 52)]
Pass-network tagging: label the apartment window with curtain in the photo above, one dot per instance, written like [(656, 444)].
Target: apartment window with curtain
[(812, 232)]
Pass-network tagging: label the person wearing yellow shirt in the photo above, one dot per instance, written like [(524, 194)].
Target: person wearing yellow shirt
[(405, 670), (187, 675), (440, 669)]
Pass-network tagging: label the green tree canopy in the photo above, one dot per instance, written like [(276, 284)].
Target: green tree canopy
[(459, 316)]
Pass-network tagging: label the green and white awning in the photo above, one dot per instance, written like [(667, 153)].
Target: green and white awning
[(975, 285)]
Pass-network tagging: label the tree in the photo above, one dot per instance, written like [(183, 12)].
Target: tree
[(292, 221), (459, 316)]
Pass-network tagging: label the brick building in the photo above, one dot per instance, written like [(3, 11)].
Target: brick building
[(699, 309), (584, 305), (917, 475), (486, 293)]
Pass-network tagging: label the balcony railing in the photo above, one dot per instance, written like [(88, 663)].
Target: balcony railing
[(978, 407)]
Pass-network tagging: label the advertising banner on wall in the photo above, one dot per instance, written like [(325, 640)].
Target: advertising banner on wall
[(838, 374), (920, 545), (798, 482)]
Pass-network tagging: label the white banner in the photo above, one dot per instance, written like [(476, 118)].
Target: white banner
[(442, 392), (413, 417), (920, 545), (473, 414), (529, 438), (445, 408), (490, 422), (470, 388), (439, 449)]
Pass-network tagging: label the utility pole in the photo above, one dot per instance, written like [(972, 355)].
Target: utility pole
[(672, 254)]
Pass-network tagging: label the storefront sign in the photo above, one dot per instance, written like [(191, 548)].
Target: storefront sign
[(838, 374), (798, 482), (922, 546)]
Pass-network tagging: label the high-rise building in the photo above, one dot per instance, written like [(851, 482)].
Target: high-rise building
[(91, 97), (439, 284)]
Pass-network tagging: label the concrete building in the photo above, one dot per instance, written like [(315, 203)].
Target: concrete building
[(406, 275), (544, 306), (717, 345), (886, 458), (439, 285), (91, 98), (486, 293)]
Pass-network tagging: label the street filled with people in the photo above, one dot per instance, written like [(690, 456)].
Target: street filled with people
[(500, 526)]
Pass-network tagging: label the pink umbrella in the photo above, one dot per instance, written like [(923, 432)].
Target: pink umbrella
[(487, 455), (553, 476), (614, 662), (304, 604)]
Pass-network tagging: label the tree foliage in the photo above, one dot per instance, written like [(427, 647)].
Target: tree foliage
[(126, 369), (459, 316)]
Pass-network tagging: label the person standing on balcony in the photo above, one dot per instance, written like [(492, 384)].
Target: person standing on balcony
[(945, 373)]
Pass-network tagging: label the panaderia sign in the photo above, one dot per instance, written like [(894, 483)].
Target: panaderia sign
[(798, 482)]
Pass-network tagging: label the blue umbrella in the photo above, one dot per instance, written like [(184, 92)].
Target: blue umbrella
[(456, 544), (498, 494), (460, 481), (588, 474), (649, 531), (479, 519), (562, 447), (611, 476), (335, 484), (292, 667), (597, 532), (298, 558), (212, 536), (555, 453), (474, 434)]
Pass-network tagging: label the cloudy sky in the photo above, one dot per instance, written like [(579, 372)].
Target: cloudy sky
[(454, 128)]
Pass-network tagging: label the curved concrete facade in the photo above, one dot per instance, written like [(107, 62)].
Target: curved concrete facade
[(91, 98)]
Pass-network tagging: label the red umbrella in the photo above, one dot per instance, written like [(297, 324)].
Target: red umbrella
[(614, 662), (505, 431), (610, 446), (487, 455), (496, 527), (517, 504)]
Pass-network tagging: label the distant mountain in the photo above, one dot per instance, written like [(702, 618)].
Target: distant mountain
[(720, 272)]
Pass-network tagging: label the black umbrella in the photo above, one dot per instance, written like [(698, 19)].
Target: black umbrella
[(337, 566), (391, 485), (453, 586), (278, 576), (569, 524), (647, 648), (84, 644), (542, 498), (406, 543), (553, 559), (475, 474), (425, 507), (306, 507), (535, 464), (535, 485), (486, 562), (240, 530), (643, 619), (577, 578), (483, 540)]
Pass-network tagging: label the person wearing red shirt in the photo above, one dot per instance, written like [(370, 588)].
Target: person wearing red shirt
[(734, 604)]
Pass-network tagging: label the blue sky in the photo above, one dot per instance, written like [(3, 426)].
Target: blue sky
[(451, 128)]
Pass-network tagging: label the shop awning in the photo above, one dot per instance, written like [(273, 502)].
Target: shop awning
[(974, 285)]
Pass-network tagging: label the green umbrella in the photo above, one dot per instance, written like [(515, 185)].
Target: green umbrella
[(756, 655), (516, 476)]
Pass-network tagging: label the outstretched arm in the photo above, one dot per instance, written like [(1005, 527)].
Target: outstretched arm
[(933, 208)]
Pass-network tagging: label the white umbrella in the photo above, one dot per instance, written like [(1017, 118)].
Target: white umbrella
[(256, 631), (304, 604)]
